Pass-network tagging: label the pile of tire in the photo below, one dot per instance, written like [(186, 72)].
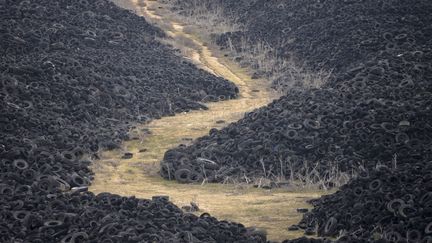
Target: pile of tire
[(74, 78), (371, 120), (31, 215), (338, 36), (381, 87), (317, 128), (389, 204)]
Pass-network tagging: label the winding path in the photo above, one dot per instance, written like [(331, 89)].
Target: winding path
[(273, 210)]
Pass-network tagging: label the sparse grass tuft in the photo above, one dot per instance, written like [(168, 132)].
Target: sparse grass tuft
[(206, 15), (284, 73)]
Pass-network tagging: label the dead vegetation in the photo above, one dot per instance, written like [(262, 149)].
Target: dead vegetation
[(283, 73), (200, 13)]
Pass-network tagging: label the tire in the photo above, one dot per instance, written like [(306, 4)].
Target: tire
[(330, 227), (78, 181), (205, 215), (391, 205), (20, 164), (375, 184), (311, 124), (195, 177), (75, 237), (20, 215), (53, 223), (393, 236), (23, 190), (428, 229), (68, 156), (426, 199), (406, 211), (427, 239), (291, 134), (182, 175), (414, 236)]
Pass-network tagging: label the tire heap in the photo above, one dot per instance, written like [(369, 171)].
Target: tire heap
[(376, 105), (373, 114), (340, 36), (30, 215), (339, 135), (74, 77), (394, 205)]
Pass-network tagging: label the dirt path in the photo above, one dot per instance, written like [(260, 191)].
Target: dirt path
[(273, 210)]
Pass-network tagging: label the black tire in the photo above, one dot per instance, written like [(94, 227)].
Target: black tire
[(291, 134), (75, 237), (427, 239), (182, 175), (20, 164), (195, 177), (68, 156), (426, 199), (78, 181), (428, 229), (331, 226), (407, 211), (414, 236), (205, 215), (311, 124), (375, 184), (53, 223), (393, 236), (392, 205), (358, 191), (23, 190), (20, 215)]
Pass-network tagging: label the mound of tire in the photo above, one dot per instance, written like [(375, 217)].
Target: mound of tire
[(308, 132), (29, 215), (388, 204), (74, 78), (373, 114), (376, 105), (332, 35)]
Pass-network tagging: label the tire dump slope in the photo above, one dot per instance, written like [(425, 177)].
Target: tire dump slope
[(372, 119)]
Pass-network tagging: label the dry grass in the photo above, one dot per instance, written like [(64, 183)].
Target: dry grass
[(201, 13), (284, 73), (305, 178)]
